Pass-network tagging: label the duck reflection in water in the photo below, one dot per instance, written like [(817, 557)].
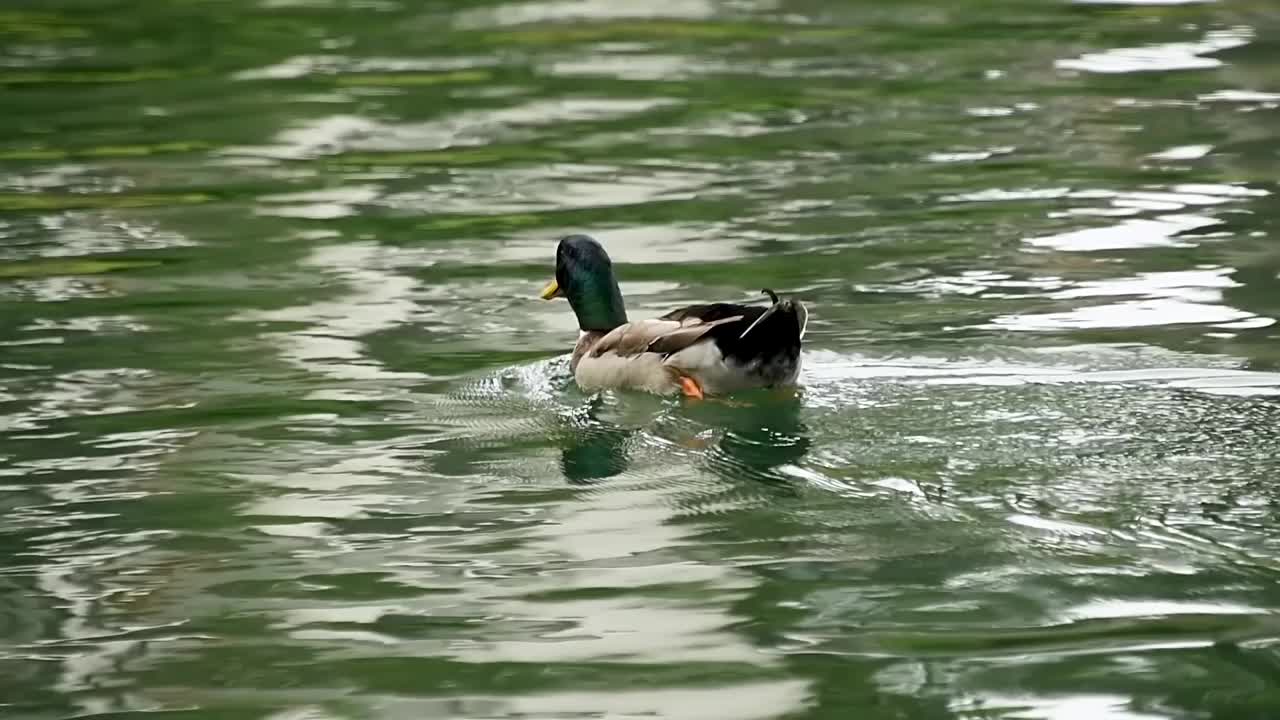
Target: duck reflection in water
[(749, 438), (592, 448)]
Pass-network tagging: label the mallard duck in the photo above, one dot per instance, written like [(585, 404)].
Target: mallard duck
[(698, 350)]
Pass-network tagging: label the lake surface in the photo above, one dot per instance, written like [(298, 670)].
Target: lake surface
[(286, 433)]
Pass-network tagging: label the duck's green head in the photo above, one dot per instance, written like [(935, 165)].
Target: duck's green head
[(584, 274)]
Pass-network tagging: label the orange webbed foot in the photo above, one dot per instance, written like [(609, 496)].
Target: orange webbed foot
[(690, 387)]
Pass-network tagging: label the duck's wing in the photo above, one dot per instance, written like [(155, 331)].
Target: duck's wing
[(664, 335), (751, 332)]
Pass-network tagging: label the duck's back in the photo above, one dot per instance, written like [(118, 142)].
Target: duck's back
[(762, 347)]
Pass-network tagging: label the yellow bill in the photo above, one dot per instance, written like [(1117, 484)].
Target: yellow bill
[(552, 290)]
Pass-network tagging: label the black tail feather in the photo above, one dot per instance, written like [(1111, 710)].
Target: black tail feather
[(775, 333), (760, 333)]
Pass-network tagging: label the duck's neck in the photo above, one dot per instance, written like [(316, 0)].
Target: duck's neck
[(598, 304)]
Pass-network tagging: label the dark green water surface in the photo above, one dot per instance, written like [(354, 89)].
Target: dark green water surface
[(285, 432)]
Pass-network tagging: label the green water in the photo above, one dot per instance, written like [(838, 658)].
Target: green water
[(285, 432)]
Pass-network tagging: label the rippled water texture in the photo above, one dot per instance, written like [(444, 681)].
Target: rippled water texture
[(285, 432)]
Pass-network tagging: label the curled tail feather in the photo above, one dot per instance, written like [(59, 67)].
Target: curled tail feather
[(786, 307)]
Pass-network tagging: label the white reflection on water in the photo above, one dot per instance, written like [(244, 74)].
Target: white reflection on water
[(1182, 152), (319, 204), (1240, 96), (1167, 56), (639, 66), (831, 374), (728, 701), (1064, 707), (304, 65), (1125, 235), (337, 134), (331, 343), (968, 155), (1111, 608), (1203, 285), (1170, 298), (314, 137), (562, 10), (1161, 231)]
